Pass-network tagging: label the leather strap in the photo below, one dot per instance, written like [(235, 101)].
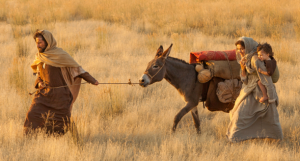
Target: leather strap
[(233, 92), (155, 73)]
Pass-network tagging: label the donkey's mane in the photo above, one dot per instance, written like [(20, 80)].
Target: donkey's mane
[(179, 60)]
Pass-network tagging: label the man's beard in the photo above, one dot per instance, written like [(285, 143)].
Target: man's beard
[(41, 50)]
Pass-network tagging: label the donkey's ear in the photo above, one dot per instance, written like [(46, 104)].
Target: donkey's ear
[(167, 52), (160, 51)]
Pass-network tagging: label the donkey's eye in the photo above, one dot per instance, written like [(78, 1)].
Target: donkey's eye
[(155, 66)]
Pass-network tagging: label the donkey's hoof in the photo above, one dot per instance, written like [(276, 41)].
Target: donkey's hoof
[(198, 130), (173, 131)]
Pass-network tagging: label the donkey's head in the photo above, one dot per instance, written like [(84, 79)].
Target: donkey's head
[(156, 68)]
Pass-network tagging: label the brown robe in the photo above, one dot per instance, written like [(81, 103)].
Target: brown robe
[(50, 107)]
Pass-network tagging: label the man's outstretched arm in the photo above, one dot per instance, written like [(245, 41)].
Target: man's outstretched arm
[(87, 77)]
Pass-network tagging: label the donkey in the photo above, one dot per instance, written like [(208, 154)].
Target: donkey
[(182, 76)]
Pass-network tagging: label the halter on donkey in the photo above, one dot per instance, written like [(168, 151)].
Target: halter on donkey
[(182, 76)]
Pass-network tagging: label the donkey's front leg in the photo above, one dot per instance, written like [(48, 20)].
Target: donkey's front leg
[(181, 113), (195, 115)]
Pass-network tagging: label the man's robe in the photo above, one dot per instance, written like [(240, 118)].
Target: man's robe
[(51, 107)]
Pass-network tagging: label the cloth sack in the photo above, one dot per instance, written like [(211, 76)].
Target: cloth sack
[(228, 90), (204, 75), (224, 69)]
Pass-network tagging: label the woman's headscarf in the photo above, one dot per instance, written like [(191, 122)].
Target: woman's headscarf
[(52, 55), (250, 50)]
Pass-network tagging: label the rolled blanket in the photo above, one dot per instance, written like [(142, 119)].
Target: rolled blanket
[(196, 57)]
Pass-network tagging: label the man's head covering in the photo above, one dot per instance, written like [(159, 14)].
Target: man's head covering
[(250, 47), (52, 55)]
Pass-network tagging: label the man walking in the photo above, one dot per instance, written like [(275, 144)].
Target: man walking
[(52, 104)]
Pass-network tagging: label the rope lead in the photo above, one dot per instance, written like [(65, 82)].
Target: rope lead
[(129, 83)]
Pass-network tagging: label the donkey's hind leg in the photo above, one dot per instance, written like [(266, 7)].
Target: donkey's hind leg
[(195, 115)]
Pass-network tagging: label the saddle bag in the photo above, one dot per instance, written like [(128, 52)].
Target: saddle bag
[(210, 96)]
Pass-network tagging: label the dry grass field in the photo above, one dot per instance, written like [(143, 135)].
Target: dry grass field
[(114, 40)]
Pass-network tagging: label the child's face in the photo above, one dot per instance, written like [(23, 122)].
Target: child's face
[(240, 49), (262, 55)]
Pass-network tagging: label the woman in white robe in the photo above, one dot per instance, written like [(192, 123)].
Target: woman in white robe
[(249, 118)]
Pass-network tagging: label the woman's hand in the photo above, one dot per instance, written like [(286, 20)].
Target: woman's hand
[(259, 70), (243, 67), (96, 83), (41, 85), (243, 59)]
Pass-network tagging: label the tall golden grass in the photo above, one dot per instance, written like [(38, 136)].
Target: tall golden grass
[(114, 40), (230, 18)]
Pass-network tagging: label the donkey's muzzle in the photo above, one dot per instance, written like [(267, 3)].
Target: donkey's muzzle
[(144, 80), (141, 81)]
